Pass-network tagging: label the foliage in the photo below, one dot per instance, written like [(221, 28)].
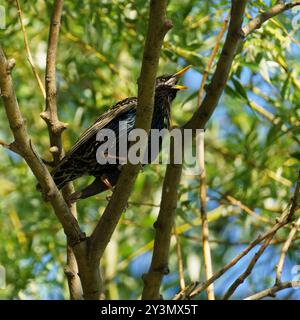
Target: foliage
[(252, 143)]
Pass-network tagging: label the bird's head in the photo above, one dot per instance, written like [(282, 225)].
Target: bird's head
[(165, 91), (166, 85)]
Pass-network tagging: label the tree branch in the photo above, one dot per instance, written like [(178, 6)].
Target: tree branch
[(284, 218), (55, 127), (214, 91), (291, 235), (67, 215), (285, 249), (179, 259), (163, 229), (24, 147), (29, 55), (153, 279), (216, 87), (272, 291), (211, 60), (257, 22), (202, 178), (282, 221), (249, 269), (71, 272), (204, 225), (183, 295), (157, 28)]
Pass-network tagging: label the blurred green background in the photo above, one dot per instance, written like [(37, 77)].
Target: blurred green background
[(252, 143)]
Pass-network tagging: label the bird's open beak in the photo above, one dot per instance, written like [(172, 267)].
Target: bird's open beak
[(179, 87), (178, 75), (181, 72)]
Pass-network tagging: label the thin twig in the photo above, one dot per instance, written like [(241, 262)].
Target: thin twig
[(5, 145), (184, 294), (179, 259), (284, 250), (202, 190), (245, 208), (291, 235), (284, 217), (68, 35), (272, 291), (211, 59), (249, 269), (257, 22), (204, 225), (272, 118), (282, 221), (29, 55), (235, 260)]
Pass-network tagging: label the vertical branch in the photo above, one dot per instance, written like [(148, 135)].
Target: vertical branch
[(55, 127), (219, 79), (71, 272), (285, 249), (179, 259), (74, 284), (202, 188), (158, 26), (163, 229), (110, 268), (204, 225), (27, 48), (159, 267), (211, 59), (291, 235), (23, 146)]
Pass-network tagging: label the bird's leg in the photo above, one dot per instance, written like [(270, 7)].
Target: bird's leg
[(94, 188), (110, 187), (105, 180)]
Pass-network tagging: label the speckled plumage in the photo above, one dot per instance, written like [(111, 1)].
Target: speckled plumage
[(81, 159)]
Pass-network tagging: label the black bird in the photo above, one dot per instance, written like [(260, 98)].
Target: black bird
[(81, 159)]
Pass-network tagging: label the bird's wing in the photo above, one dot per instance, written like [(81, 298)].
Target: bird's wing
[(100, 123)]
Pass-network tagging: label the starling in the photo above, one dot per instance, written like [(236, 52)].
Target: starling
[(81, 159)]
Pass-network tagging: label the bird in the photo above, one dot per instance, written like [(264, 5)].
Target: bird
[(81, 160)]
